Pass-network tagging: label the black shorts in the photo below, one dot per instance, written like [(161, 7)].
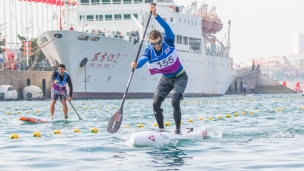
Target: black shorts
[(55, 95), (166, 85)]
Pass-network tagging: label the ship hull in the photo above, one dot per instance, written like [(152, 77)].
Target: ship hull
[(107, 70)]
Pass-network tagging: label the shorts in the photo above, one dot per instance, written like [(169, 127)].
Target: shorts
[(244, 90), (55, 94), (166, 85)]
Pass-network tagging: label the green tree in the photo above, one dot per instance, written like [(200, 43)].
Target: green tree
[(35, 48), (1, 44)]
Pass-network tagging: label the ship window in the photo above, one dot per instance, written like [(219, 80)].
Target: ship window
[(57, 35), (195, 23), (99, 17), (90, 18), (185, 40), (11, 88), (108, 17), (136, 16), (117, 16), (179, 39), (105, 1), (148, 1), (127, 1), (44, 39), (83, 37), (116, 1), (137, 1), (127, 16), (188, 22), (185, 21), (180, 20), (84, 2), (95, 38), (95, 2), (195, 44), (118, 36), (171, 19)]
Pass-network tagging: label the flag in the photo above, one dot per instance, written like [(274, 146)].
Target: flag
[(284, 83), (60, 3), (43, 1), (297, 88)]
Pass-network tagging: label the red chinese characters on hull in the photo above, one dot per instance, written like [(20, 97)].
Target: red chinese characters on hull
[(104, 60), (95, 57)]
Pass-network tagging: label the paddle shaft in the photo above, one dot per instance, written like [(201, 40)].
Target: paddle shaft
[(137, 55), (116, 119), (68, 101)]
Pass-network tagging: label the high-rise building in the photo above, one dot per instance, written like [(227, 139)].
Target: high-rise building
[(298, 43)]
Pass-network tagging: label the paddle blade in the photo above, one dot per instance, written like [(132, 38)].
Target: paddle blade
[(115, 121)]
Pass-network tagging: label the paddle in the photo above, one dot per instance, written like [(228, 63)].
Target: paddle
[(116, 119), (68, 101)]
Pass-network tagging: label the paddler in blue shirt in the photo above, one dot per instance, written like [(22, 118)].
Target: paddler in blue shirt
[(62, 79), (162, 58)]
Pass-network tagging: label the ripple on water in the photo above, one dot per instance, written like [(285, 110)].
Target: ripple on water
[(268, 136)]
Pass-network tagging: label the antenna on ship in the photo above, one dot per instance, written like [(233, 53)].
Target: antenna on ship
[(195, 6), (228, 43)]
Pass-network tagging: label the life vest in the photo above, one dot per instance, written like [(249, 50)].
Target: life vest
[(167, 63), (62, 84)]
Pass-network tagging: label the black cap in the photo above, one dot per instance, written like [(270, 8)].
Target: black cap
[(61, 66)]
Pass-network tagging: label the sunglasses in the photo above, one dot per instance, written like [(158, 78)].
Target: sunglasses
[(156, 43)]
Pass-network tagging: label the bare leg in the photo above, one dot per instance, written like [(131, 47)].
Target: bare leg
[(52, 109), (65, 109)]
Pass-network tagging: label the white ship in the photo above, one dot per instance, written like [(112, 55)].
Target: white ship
[(98, 53)]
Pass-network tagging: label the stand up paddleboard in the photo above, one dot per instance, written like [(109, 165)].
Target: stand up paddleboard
[(155, 138), (33, 119)]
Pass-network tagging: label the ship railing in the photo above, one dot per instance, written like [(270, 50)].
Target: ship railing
[(164, 0)]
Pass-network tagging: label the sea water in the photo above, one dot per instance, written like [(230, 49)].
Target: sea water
[(263, 132)]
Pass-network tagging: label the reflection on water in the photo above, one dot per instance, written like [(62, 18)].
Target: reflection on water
[(168, 156)]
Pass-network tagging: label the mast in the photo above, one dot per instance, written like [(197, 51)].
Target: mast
[(228, 44)]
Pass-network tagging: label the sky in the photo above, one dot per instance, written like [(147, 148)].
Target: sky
[(259, 28)]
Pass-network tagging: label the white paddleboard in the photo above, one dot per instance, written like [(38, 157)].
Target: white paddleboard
[(156, 138)]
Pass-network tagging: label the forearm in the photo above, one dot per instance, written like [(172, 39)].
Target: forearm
[(71, 91), (141, 62), (70, 86)]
